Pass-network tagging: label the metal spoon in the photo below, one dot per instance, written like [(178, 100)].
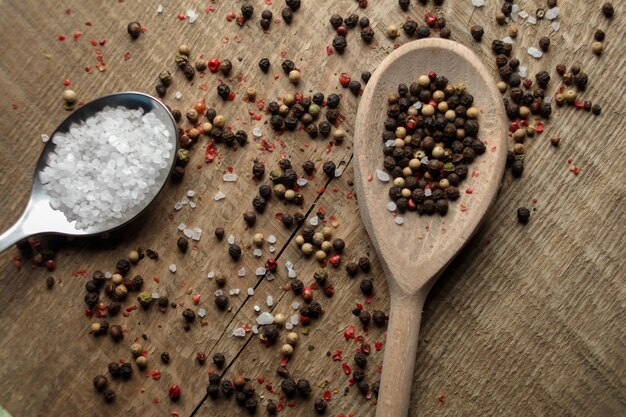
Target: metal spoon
[(39, 217), (415, 254)]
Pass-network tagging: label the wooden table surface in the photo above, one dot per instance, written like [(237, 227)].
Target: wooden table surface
[(526, 321)]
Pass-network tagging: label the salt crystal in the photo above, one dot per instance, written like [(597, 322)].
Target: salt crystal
[(265, 318), (523, 14), (155, 295), (338, 172), (255, 330), (269, 276), (178, 206), (417, 105), (230, 239), (288, 326), (191, 193), (269, 301), (184, 201), (534, 52), (192, 204), (257, 309), (272, 249), (522, 71), (211, 274), (260, 271), (291, 273), (178, 95), (250, 291), (295, 319), (532, 20), (514, 16), (382, 175), (197, 232), (391, 206), (201, 313), (219, 196), (478, 3), (234, 291), (173, 268), (295, 305), (188, 233), (239, 332), (271, 239), (191, 16), (555, 26), (108, 275), (302, 182), (428, 192), (515, 8), (45, 138), (160, 9), (182, 226), (256, 132), (399, 220), (390, 143), (424, 161), (314, 221), (230, 177), (288, 264), (547, 99), (242, 272), (219, 292), (552, 13), (257, 252), (508, 40)]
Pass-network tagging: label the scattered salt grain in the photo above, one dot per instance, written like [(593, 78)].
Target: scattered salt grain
[(184, 201), (515, 8), (182, 226), (417, 105), (211, 275), (265, 318), (250, 291), (338, 172), (532, 20), (399, 220), (219, 196), (155, 295), (178, 206), (523, 14), (201, 313), (160, 9), (239, 332), (45, 138), (260, 271), (241, 272), (191, 193), (522, 71), (314, 221), (390, 143), (295, 319), (257, 252), (269, 301), (256, 309), (291, 273), (302, 182), (229, 177), (255, 329), (555, 26), (428, 192), (272, 249), (178, 95), (173, 268), (192, 204), (508, 40), (288, 326), (391, 206), (188, 233), (197, 232), (108, 275), (289, 265), (534, 52), (382, 175), (295, 305), (256, 132), (271, 239), (230, 239), (192, 16), (219, 292), (234, 291), (478, 3), (269, 276), (552, 13)]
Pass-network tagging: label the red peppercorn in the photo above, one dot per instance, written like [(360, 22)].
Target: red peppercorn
[(174, 392), (271, 264), (335, 260), (432, 75), (50, 265), (307, 294), (214, 65), (345, 79), (342, 30)]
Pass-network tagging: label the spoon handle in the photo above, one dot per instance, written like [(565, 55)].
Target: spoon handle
[(13, 235), (399, 361)]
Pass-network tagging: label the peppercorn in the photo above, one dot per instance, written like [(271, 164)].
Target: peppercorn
[(293, 4), (161, 90), (379, 318), (364, 317), (329, 169), (523, 214), (234, 251), (422, 32), (226, 67), (607, 10), (364, 264), (219, 359), (100, 382), (367, 287), (213, 390), (134, 29), (477, 32), (335, 21), (223, 91), (352, 269), (297, 286), (126, 371), (445, 33), (599, 35), (355, 87), (116, 332), (109, 395), (247, 10), (367, 34), (227, 387), (409, 27), (544, 43), (303, 387), (597, 48), (289, 387), (182, 244), (340, 44), (581, 79), (270, 332), (271, 408), (114, 370), (517, 168), (320, 406), (596, 109), (251, 404), (221, 301)]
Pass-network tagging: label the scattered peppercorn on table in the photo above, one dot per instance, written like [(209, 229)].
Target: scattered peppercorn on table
[(526, 321)]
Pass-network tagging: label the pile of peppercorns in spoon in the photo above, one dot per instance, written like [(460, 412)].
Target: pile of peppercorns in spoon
[(431, 135)]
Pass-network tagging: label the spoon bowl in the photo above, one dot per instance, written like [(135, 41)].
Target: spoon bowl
[(40, 217), (414, 254)]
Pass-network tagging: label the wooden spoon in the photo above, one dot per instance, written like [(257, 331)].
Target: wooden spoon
[(414, 254)]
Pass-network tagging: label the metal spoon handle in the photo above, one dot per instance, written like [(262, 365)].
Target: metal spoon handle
[(13, 235), (400, 351)]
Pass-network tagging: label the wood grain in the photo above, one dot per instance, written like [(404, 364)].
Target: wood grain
[(527, 320)]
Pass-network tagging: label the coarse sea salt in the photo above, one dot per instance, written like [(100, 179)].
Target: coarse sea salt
[(269, 301), (291, 273), (108, 165), (382, 176), (269, 276), (219, 196), (552, 13), (256, 132), (239, 332), (160, 8), (201, 313), (172, 268), (241, 272), (314, 221), (534, 52), (230, 239), (229, 177), (257, 252), (211, 275), (250, 291), (478, 3), (260, 271), (182, 226), (302, 182), (271, 239), (265, 318), (45, 138)]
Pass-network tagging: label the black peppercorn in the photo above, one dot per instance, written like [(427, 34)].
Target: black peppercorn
[(339, 245), (109, 395), (114, 309), (134, 29), (288, 65), (282, 372), (364, 22), (363, 387), (270, 332), (355, 87), (247, 10), (223, 91), (227, 387), (126, 371), (250, 218), (320, 406), (324, 128), (303, 387), (161, 90), (289, 387), (264, 64), (265, 24), (182, 244), (333, 100), (293, 4), (297, 286), (379, 318), (287, 15), (544, 43), (364, 317), (364, 264), (189, 315), (287, 220), (340, 44), (422, 32), (445, 32), (221, 301), (219, 359), (596, 109), (50, 282), (367, 34), (122, 266), (91, 286), (100, 382), (352, 269), (335, 21), (219, 233), (329, 169), (367, 287), (517, 168), (599, 35), (234, 251), (265, 191), (410, 27), (477, 33), (581, 79), (271, 408), (523, 214), (365, 76), (114, 370), (213, 390), (404, 4), (351, 21), (607, 10), (251, 404)]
